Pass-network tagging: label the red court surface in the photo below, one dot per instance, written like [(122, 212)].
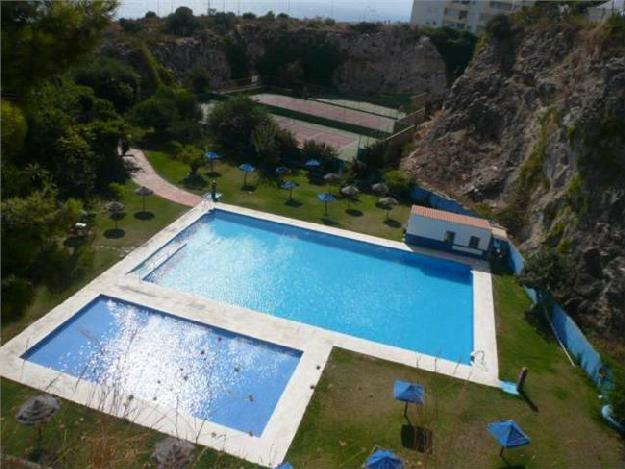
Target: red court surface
[(328, 111)]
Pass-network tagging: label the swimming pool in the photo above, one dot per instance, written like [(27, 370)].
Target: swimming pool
[(386, 295), (210, 373)]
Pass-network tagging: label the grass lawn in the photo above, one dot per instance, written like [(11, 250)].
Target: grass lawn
[(363, 217), (353, 408)]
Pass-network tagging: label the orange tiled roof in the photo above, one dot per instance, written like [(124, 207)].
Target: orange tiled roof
[(450, 217)]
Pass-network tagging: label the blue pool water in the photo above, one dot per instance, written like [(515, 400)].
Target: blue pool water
[(199, 370), (381, 294)]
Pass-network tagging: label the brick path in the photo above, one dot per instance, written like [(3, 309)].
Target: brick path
[(144, 175)]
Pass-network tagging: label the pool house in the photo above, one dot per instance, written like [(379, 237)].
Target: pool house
[(449, 231)]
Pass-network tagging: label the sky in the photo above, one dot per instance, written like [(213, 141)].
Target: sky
[(340, 10)]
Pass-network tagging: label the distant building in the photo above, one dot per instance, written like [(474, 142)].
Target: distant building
[(464, 15), (449, 231), (607, 9)]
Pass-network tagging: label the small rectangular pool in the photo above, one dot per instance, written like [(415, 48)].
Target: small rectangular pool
[(199, 370), (386, 295)]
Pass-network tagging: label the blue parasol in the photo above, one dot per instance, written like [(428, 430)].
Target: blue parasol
[(289, 186), (508, 434), (246, 168), (211, 156), (383, 459), (325, 198), (312, 164), (410, 393)]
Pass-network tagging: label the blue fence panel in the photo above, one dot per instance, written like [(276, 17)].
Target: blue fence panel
[(576, 343), (436, 201)]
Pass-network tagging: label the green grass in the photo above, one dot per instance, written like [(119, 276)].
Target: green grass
[(267, 197), (353, 408)]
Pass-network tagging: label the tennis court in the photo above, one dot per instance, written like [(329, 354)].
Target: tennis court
[(346, 143), (365, 106), (328, 111)]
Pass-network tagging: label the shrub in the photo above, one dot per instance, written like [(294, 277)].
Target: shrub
[(248, 16), (17, 295), (318, 151), (456, 48), (499, 27), (365, 27), (398, 183)]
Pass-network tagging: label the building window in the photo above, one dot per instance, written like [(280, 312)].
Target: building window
[(474, 242), (462, 14), (450, 237)]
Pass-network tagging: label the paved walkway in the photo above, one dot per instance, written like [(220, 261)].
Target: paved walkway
[(144, 175)]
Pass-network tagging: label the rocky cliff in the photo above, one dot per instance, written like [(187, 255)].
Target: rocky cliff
[(533, 134), (391, 59)]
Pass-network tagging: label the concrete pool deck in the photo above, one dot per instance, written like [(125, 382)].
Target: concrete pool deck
[(316, 343)]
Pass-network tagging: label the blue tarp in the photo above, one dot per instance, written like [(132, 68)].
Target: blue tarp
[(409, 392), (383, 459), (508, 433)]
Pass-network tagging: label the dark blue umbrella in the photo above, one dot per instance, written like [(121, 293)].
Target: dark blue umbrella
[(325, 198), (281, 170), (383, 459), (211, 156), (312, 164), (410, 393), (246, 168), (508, 434), (289, 186)]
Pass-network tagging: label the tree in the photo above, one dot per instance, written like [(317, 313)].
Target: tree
[(191, 156), (233, 121), (182, 22), (545, 271), (42, 39), (265, 142), (199, 79), (14, 127), (155, 113), (110, 80)]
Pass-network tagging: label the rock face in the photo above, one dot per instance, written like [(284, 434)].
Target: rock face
[(539, 142), (391, 60)]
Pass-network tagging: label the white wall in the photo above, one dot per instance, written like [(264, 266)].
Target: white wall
[(428, 13), (435, 230)]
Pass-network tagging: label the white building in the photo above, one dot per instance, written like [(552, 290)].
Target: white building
[(465, 15), (449, 231), (607, 9)]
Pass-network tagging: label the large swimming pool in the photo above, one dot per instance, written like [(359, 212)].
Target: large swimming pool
[(386, 295), (196, 369)]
